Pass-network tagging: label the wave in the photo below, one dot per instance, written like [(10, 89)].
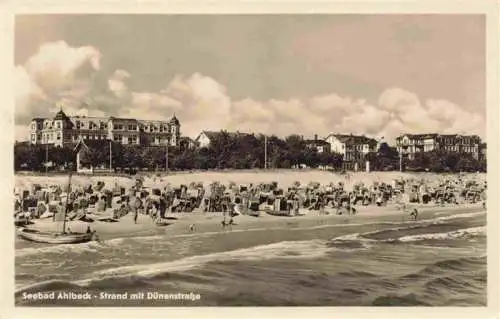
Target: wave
[(95, 246), (131, 274), (449, 266), (371, 236), (285, 250), (459, 216), (457, 234), (77, 248)]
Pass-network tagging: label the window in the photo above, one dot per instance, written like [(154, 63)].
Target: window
[(33, 137), (58, 136)]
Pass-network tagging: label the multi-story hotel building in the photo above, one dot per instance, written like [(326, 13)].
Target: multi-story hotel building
[(352, 147), (410, 144), (63, 130)]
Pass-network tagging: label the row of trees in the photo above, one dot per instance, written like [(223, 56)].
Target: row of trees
[(437, 161), (225, 151), (237, 152)]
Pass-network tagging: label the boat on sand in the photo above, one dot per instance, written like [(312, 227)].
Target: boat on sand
[(57, 237), (53, 237)]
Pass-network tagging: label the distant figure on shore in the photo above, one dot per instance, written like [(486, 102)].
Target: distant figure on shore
[(414, 214), (191, 227), (225, 224)]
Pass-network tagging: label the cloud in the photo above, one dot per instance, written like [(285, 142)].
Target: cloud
[(117, 85), (56, 73), (59, 73), (397, 112), (56, 66)]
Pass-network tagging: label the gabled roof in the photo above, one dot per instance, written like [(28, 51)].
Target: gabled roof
[(211, 135), (354, 139), (215, 134), (89, 118), (61, 116), (317, 142), (121, 119), (173, 120), (88, 144), (418, 136), (435, 135)]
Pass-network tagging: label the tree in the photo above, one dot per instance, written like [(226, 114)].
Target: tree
[(467, 163), (451, 160)]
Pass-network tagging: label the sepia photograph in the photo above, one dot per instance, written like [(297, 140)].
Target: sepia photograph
[(192, 160)]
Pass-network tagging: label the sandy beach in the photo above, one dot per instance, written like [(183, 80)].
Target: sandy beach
[(179, 223)]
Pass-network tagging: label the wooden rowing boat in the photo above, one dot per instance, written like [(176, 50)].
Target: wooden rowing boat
[(53, 237), (281, 213), (59, 237)]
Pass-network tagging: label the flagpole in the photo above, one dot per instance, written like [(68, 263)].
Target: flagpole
[(110, 156), (166, 155), (401, 161), (46, 158), (265, 152)]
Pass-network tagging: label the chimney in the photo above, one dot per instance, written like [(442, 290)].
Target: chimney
[(315, 137)]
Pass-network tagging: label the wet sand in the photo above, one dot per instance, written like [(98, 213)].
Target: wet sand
[(179, 223)]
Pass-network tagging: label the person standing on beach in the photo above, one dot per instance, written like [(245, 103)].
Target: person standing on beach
[(134, 207), (162, 207), (296, 204)]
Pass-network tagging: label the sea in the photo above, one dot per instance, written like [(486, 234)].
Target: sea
[(435, 262)]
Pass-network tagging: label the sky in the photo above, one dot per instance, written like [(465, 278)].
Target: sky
[(378, 75)]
